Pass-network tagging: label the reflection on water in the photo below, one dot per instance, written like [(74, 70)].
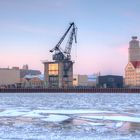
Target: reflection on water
[(86, 116)]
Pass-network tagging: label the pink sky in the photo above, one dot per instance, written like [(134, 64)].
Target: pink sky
[(29, 29)]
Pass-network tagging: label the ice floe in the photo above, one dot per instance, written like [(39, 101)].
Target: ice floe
[(67, 111), (113, 118), (56, 118), (37, 113), (57, 115), (11, 113)]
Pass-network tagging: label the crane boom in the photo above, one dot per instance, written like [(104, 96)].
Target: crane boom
[(59, 54), (70, 41)]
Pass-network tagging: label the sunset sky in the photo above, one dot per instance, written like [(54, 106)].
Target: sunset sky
[(30, 28)]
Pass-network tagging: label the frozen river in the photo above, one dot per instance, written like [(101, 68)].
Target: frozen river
[(58, 116)]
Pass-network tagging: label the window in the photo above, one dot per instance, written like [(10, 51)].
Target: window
[(53, 69)]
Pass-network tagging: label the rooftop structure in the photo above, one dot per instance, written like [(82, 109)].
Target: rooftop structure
[(134, 49)]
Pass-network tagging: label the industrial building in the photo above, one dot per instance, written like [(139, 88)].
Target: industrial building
[(59, 72), (24, 72), (132, 69), (85, 80), (33, 81), (29, 77), (15, 77), (110, 81), (9, 77)]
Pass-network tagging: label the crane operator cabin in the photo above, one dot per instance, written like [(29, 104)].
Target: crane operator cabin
[(59, 72)]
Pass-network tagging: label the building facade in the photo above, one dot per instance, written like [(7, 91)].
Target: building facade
[(132, 69), (110, 81), (85, 80), (14, 77), (9, 77), (33, 81), (132, 74), (58, 74), (24, 72)]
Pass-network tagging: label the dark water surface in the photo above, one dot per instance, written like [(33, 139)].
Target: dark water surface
[(55, 116)]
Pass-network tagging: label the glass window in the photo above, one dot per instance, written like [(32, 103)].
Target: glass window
[(53, 69)]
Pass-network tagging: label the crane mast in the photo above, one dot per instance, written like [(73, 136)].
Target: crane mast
[(59, 54)]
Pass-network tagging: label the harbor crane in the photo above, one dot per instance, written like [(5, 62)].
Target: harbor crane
[(59, 53)]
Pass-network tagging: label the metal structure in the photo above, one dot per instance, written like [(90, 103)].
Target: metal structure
[(59, 53), (59, 73)]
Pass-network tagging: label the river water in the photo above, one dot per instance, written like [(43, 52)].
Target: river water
[(59, 116)]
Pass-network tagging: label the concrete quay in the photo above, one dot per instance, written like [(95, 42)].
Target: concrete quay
[(70, 90)]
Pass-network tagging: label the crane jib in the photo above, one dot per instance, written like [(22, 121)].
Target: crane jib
[(59, 54)]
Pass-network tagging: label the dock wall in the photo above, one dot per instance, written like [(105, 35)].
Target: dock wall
[(69, 90)]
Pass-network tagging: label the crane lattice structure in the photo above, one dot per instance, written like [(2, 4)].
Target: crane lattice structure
[(59, 53)]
